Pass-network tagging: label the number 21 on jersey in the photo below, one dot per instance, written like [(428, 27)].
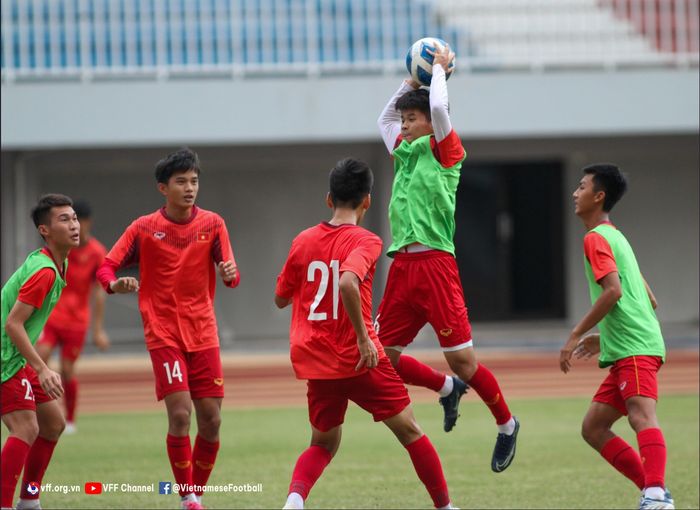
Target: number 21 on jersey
[(312, 274)]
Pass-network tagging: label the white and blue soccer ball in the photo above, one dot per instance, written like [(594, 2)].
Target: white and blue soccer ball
[(419, 61)]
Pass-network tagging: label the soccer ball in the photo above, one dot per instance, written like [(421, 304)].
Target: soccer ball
[(420, 63)]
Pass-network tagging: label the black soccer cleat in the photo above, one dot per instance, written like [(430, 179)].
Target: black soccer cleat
[(450, 403), (504, 452)]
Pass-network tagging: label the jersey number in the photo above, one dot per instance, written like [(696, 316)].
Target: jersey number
[(30, 394), (174, 373), (315, 267)]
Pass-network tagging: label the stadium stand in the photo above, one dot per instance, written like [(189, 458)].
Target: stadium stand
[(87, 38)]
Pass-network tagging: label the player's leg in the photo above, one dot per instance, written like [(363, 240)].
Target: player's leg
[(51, 424), (311, 463), (381, 392), (172, 386), (206, 444), (397, 324), (327, 406), (71, 346), (206, 381), (24, 429), (463, 363), (423, 455), (640, 393), (596, 430)]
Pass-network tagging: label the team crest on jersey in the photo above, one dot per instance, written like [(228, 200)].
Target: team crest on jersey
[(202, 237), (159, 235)]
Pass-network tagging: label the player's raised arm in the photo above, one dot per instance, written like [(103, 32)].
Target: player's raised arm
[(389, 121), (439, 105), (124, 253)]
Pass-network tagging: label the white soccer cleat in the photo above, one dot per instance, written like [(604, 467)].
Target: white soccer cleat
[(70, 428), (28, 504)]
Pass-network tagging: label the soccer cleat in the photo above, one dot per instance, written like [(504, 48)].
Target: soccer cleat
[(28, 504), (289, 506), (504, 451), (450, 403), (190, 502), (657, 504), (70, 428)]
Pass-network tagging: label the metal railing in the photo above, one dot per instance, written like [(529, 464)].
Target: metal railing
[(88, 39)]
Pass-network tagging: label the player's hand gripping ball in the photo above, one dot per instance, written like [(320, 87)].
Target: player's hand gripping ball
[(419, 59)]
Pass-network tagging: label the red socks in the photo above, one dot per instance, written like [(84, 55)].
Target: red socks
[(203, 459), (416, 373), (625, 459), (652, 449), (308, 469), (486, 386), (428, 468), (38, 460), (70, 395), (14, 454), (180, 455)]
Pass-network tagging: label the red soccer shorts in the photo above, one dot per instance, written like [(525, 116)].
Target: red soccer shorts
[(379, 391), (70, 340), (22, 391), (423, 287), (198, 372), (629, 377)]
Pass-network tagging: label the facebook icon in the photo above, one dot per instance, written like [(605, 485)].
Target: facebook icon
[(164, 488)]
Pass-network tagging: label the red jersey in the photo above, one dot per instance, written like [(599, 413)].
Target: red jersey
[(599, 254), (323, 341), (73, 309), (177, 267)]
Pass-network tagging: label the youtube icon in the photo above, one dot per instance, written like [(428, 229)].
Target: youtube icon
[(93, 488)]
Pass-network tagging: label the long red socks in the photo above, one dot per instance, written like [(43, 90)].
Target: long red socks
[(429, 469), (203, 459), (625, 459), (14, 455), (308, 469), (486, 386), (38, 460), (416, 373), (180, 455), (652, 450)]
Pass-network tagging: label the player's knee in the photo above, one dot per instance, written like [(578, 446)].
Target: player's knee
[(27, 432), (179, 419), (209, 425), (52, 429), (642, 420)]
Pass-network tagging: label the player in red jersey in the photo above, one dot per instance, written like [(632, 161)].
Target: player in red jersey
[(179, 250), (68, 323), (29, 387), (328, 280)]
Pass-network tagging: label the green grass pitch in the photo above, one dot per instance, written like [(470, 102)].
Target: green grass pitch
[(554, 468)]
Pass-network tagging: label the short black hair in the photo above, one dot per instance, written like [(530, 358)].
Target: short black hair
[(82, 209), (609, 179), (418, 99), (350, 182), (179, 161), (41, 212)]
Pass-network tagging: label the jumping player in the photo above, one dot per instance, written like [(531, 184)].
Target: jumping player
[(423, 283), (68, 323), (29, 386), (629, 342), (328, 279), (179, 249)]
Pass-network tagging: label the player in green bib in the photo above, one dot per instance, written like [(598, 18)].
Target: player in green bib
[(424, 285), (29, 387), (629, 341)]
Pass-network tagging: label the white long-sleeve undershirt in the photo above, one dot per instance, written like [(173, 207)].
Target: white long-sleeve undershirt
[(389, 121)]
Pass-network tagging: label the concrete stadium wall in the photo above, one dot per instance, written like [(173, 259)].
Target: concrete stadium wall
[(268, 193)]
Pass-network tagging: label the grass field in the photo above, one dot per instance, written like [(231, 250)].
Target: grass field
[(554, 468)]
